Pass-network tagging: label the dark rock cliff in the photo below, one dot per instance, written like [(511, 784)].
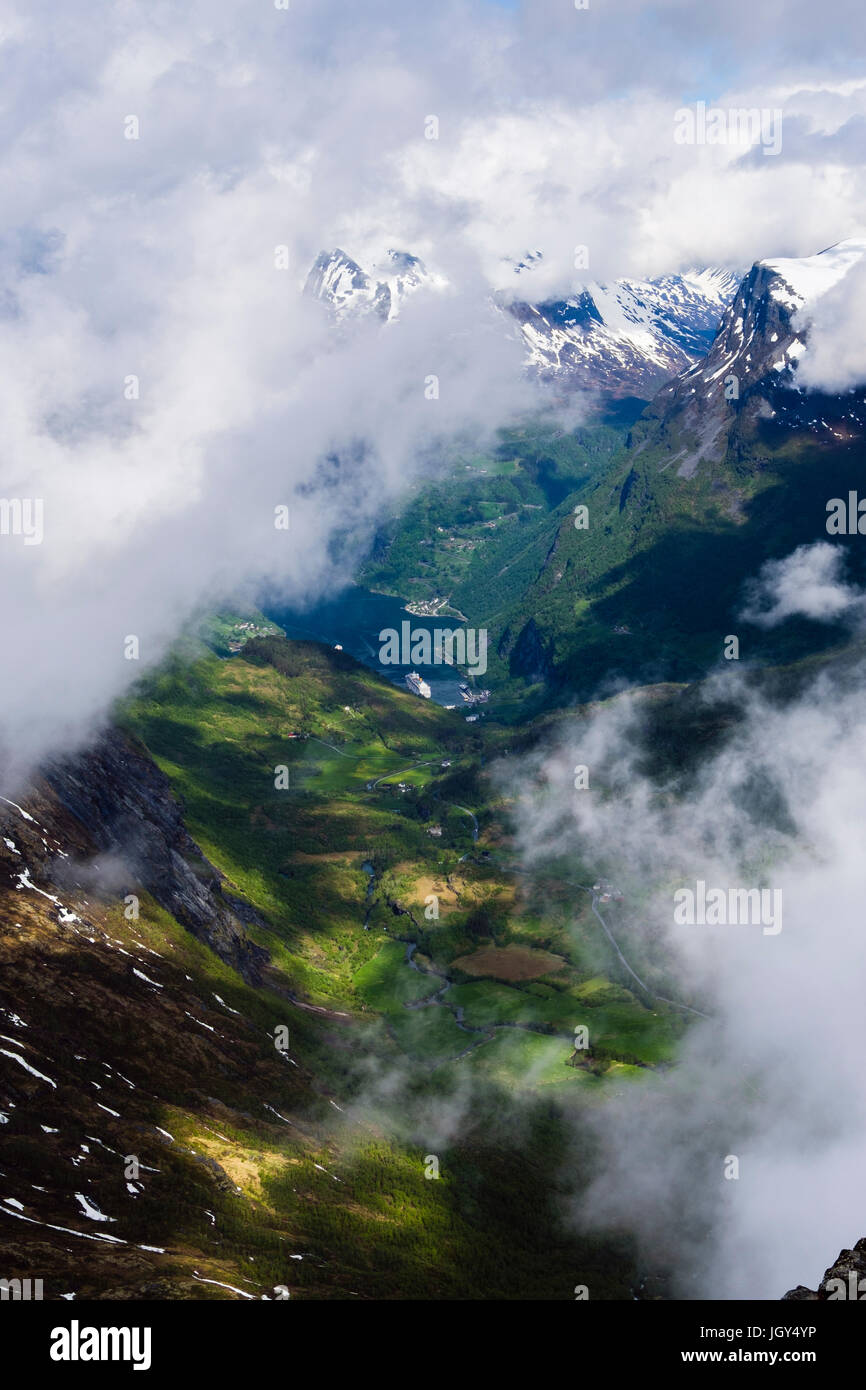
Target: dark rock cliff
[(846, 1279), (123, 801)]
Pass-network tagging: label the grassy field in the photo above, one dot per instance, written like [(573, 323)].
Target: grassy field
[(344, 874), (223, 729)]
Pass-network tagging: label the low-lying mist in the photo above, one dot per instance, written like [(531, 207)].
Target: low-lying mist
[(740, 1168)]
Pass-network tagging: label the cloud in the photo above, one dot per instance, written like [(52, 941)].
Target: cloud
[(806, 583), (166, 386), (153, 258), (771, 1075), (835, 358)]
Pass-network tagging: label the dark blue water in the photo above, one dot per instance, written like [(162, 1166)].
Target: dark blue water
[(354, 619)]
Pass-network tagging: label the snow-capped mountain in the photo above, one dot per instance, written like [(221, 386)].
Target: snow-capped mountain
[(630, 336), (625, 338), (348, 290), (677, 338), (756, 352)]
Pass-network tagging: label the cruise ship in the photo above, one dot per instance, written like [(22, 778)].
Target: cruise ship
[(417, 685)]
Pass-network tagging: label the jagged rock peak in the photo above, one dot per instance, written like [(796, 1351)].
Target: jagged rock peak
[(845, 1280)]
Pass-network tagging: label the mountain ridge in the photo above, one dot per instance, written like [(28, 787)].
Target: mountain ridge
[(730, 464), (623, 338)]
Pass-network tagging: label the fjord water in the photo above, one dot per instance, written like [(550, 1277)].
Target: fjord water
[(353, 619)]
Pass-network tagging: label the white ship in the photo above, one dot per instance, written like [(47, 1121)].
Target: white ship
[(417, 685)]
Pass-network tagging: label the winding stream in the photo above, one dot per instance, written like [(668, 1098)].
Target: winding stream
[(435, 999)]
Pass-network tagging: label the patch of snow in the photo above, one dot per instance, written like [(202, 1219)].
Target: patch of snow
[(216, 1282), (141, 975), (279, 1116), (24, 881), (199, 1022), (27, 1067), (807, 278), (65, 1230), (90, 1209), (227, 1006), (324, 1170)]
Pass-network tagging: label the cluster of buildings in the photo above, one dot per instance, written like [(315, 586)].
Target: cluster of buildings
[(606, 892), (249, 629)]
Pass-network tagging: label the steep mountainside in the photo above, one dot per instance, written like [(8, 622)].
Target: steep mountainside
[(628, 337), (730, 465), (138, 1076), (750, 373), (225, 1054)]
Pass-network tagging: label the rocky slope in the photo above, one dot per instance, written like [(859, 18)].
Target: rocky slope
[(138, 1074), (118, 795), (749, 375), (845, 1279), (628, 337)]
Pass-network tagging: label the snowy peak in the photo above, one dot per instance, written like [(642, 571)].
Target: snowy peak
[(629, 336), (750, 373), (625, 338), (801, 281), (764, 333), (338, 280), (681, 309), (348, 290)]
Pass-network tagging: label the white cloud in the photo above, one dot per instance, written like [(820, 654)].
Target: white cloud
[(835, 358), (154, 257), (773, 1076), (806, 583)]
